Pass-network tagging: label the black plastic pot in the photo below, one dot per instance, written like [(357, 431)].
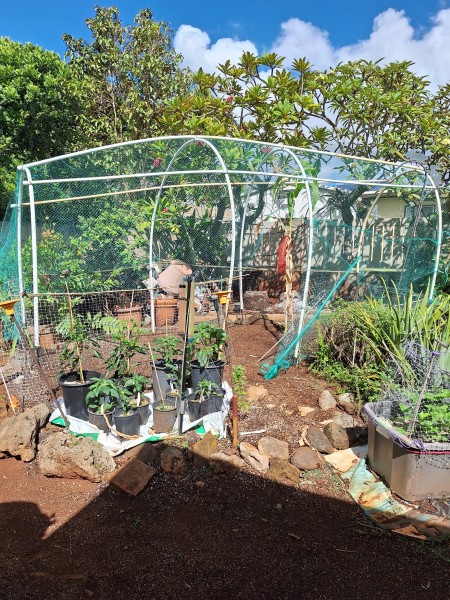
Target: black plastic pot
[(144, 411), (99, 421), (74, 393), (212, 372), (128, 424), (161, 378), (164, 420), (215, 402), (198, 409)]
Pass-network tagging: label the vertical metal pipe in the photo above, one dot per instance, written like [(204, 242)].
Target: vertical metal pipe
[(185, 345), (34, 258), (19, 243)]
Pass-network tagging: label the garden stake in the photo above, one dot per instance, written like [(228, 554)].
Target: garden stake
[(154, 367), (8, 307), (72, 325), (235, 421)]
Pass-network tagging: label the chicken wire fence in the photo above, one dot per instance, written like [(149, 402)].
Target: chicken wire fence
[(107, 223)]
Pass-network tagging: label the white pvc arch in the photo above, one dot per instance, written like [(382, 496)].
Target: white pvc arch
[(31, 177)]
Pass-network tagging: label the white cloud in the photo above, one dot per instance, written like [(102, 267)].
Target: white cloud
[(392, 38), (195, 46)]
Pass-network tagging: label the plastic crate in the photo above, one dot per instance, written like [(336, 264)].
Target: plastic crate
[(411, 473)]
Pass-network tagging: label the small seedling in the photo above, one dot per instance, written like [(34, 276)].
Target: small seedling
[(239, 386)]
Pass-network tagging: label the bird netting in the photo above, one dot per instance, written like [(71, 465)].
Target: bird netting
[(106, 224)]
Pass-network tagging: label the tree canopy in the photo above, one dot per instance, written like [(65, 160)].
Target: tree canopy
[(37, 109), (126, 73), (361, 108)]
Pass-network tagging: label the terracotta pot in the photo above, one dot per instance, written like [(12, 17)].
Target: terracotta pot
[(133, 313), (165, 311)]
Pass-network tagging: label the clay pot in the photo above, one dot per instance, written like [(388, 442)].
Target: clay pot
[(173, 276), (130, 313), (165, 311)]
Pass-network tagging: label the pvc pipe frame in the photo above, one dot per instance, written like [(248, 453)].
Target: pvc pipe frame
[(310, 241), (155, 209), (33, 258), (207, 140)]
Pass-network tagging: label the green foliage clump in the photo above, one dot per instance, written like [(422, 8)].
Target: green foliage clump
[(125, 73), (433, 418), (208, 342), (338, 361), (363, 343), (37, 109)]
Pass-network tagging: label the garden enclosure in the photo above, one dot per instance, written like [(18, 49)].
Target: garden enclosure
[(103, 224)]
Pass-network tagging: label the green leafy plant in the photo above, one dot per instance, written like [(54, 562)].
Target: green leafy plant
[(102, 395), (239, 387), (433, 418), (342, 352), (167, 348), (413, 318), (126, 344), (136, 384), (125, 401), (79, 336), (205, 389), (209, 341)]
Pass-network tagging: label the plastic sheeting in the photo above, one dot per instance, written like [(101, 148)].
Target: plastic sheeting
[(214, 422)]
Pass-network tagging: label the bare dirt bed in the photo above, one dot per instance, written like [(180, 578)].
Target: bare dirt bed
[(204, 535)]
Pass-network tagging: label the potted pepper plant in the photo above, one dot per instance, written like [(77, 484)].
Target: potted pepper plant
[(126, 344), (101, 400), (208, 399), (208, 344), (79, 336), (135, 385), (165, 373), (126, 417)]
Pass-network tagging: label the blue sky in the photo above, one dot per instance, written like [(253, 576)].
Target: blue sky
[(324, 30)]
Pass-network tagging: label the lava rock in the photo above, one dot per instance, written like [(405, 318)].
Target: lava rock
[(327, 401), (19, 433), (348, 404), (65, 455), (318, 440), (283, 471), (337, 436), (344, 420), (306, 459), (222, 463), (172, 461), (203, 449), (256, 459), (273, 448)]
